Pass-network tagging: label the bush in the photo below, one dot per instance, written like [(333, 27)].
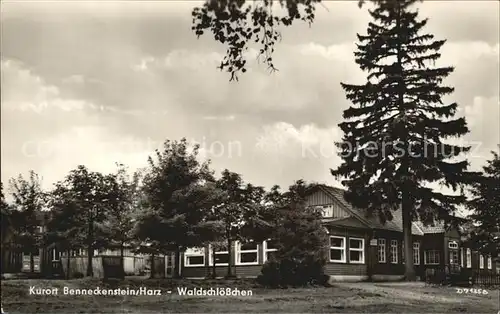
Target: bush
[(78, 275), (299, 238), (292, 273)]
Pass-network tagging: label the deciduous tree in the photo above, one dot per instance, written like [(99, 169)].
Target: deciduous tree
[(174, 186), (123, 208), (240, 23), (89, 195), (29, 201), (238, 207), (66, 228)]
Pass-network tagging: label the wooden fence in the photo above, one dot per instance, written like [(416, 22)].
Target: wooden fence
[(109, 266), (462, 277), (486, 280)]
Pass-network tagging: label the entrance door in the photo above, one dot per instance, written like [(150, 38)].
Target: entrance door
[(169, 265)]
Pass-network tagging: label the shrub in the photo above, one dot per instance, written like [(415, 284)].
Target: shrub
[(78, 275), (300, 239), (292, 273)]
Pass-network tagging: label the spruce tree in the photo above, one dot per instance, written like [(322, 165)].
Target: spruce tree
[(395, 131), (486, 207)]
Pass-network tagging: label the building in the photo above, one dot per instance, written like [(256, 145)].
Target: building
[(360, 247)]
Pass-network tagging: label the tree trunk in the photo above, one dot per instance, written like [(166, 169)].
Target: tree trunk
[(68, 263), (369, 260), (152, 273), (407, 198), (407, 209), (90, 251), (177, 259), (122, 263), (230, 260), (214, 268), (32, 263), (4, 263)]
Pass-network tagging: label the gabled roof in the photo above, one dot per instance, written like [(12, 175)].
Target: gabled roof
[(373, 221)]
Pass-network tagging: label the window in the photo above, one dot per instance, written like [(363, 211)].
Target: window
[(416, 253), (469, 258), (394, 251), (327, 211), (381, 251), (221, 256), (270, 247), (431, 257), (481, 261), (489, 263), (462, 257), (453, 257), (194, 257), (356, 251), (337, 249), (247, 253), (453, 245)]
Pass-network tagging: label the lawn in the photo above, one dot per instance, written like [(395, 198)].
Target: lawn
[(342, 298)]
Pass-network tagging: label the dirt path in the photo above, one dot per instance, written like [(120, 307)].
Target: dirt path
[(414, 292)]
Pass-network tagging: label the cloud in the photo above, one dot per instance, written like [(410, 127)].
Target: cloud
[(23, 90), (222, 118), (135, 73)]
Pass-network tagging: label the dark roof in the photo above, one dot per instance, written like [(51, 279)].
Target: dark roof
[(373, 221)]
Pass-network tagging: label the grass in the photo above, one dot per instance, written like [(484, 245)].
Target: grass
[(342, 298)]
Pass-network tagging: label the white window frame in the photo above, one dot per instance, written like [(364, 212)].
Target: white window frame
[(452, 245), (362, 250), (211, 258), (194, 252), (394, 251), (342, 248), (381, 245), (469, 258), (239, 251), (266, 250), (481, 261), (436, 253), (490, 263), (416, 253), (462, 259)]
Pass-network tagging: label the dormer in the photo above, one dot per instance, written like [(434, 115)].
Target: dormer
[(328, 206)]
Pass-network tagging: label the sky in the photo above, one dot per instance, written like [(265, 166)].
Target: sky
[(97, 83)]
